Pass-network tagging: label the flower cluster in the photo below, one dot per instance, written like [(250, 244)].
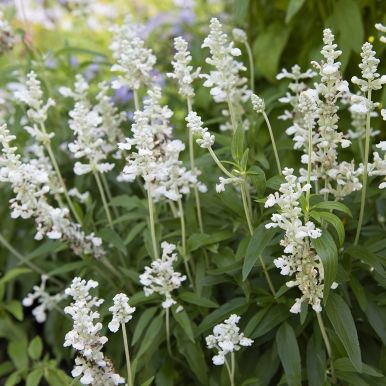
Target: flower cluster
[(227, 338), (195, 124), (30, 183), (91, 364), (134, 62), (183, 71), (300, 259), (161, 278), (46, 301), (156, 155), (382, 28), (121, 311)]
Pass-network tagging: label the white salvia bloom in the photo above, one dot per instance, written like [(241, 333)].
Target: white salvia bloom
[(32, 95), (30, 182), (378, 167), (121, 311), (91, 364), (46, 301), (227, 338), (235, 181), (134, 62), (258, 103), (82, 197), (183, 71), (161, 278), (383, 113), (7, 35), (382, 28), (195, 124), (371, 80), (300, 259), (239, 35), (154, 154), (91, 131), (225, 81)]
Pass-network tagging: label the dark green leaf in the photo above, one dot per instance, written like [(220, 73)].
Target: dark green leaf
[(344, 364), (183, 320), (35, 348), (237, 147), (34, 377), (293, 8), (331, 219), (333, 205), (193, 298)]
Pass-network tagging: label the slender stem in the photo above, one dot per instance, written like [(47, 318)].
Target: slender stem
[(103, 196), (232, 114), (108, 192), (231, 376), (232, 369), (326, 342), (47, 145), (219, 164), (273, 142), (246, 208), (183, 241), (25, 261), (168, 332), (365, 172), (271, 287), (173, 209), (251, 67), (127, 355), (309, 169), (136, 100), (151, 220), (192, 167)]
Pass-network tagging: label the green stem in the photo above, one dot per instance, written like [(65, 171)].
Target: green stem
[(246, 208), (127, 355), (232, 369), (365, 172), (326, 342), (230, 374), (25, 261), (251, 67), (108, 192), (192, 167), (273, 142), (308, 170), (47, 145), (232, 114), (136, 100), (151, 220), (103, 197), (219, 164), (183, 240), (168, 332), (269, 281)]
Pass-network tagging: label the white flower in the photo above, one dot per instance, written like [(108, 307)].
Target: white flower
[(160, 277), (227, 338), (183, 71), (85, 336), (134, 62), (257, 103), (382, 28), (46, 301), (121, 312), (239, 35)]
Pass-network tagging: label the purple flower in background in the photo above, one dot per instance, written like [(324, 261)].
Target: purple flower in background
[(73, 61), (122, 95), (91, 71), (158, 78)]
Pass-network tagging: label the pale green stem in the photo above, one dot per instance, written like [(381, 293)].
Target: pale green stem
[(246, 208), (173, 209), (232, 369), (47, 145), (273, 142), (326, 342), (251, 67), (219, 164), (365, 172), (308, 170), (25, 261), (230, 374), (232, 114), (136, 100), (151, 220), (108, 192), (168, 332), (103, 197), (183, 241), (269, 281), (127, 355), (192, 167)]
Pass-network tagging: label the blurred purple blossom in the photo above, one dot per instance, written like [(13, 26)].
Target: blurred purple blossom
[(122, 95)]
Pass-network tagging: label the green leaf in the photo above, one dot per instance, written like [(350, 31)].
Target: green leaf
[(18, 354), (151, 335), (276, 315), (35, 348), (143, 322), (316, 362), (331, 219), (148, 382), (134, 231), (344, 364), (333, 205), (127, 202), (268, 48), (13, 379), (110, 236), (193, 298), (183, 320), (377, 320), (240, 10), (294, 7), (12, 274), (34, 377), (326, 249), (5, 368), (237, 147), (341, 319), (15, 308), (260, 239), (199, 240), (288, 350)]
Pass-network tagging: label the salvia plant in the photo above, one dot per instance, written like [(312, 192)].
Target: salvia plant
[(166, 222)]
